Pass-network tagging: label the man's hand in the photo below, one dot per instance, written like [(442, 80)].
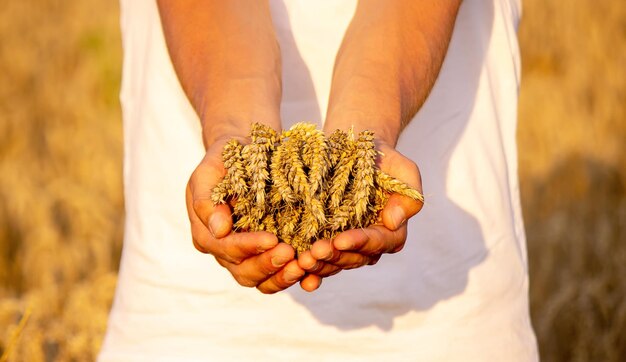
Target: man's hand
[(359, 247), (255, 259)]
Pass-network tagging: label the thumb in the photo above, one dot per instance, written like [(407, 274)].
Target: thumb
[(398, 210), (210, 171)]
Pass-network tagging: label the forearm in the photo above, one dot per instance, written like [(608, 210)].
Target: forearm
[(227, 59), (387, 64)]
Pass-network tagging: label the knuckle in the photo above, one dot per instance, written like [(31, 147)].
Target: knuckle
[(360, 261), (397, 249), (222, 262), (231, 254), (244, 281), (412, 165), (199, 205), (352, 266), (232, 260), (199, 248), (335, 257), (329, 271), (377, 247), (227, 252), (199, 245), (399, 244), (267, 268), (378, 243), (318, 266), (334, 272)]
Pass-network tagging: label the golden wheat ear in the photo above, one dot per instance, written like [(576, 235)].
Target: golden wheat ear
[(303, 186), (392, 185), (364, 169)]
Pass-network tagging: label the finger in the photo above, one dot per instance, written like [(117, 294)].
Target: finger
[(234, 248), (283, 279), (375, 259), (328, 270), (372, 241), (254, 270), (237, 247), (198, 246), (217, 218), (398, 210), (311, 265), (199, 231), (323, 251), (310, 282), (307, 262)]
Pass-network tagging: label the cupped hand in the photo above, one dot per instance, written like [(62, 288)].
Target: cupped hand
[(255, 259), (359, 247)]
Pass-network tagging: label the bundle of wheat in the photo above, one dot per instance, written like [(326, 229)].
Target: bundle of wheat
[(302, 185)]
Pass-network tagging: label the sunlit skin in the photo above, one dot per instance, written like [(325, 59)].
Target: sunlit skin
[(227, 58)]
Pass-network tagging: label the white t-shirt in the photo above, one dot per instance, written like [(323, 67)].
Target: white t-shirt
[(458, 290)]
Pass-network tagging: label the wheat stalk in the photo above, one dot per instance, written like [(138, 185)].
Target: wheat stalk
[(303, 186)]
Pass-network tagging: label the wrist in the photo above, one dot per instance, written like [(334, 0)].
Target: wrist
[(386, 127), (366, 89), (361, 102), (227, 126), (229, 107)]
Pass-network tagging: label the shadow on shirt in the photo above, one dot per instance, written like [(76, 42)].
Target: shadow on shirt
[(445, 242)]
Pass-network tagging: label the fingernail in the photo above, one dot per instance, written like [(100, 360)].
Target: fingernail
[(291, 277), (398, 217), (266, 245), (280, 260)]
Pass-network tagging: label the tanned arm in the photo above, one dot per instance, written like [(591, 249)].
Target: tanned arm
[(387, 64), (227, 59)]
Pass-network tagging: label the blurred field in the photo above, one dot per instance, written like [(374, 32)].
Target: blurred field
[(61, 207), (572, 141)]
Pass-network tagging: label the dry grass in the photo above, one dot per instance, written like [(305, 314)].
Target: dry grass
[(60, 175), (573, 169)]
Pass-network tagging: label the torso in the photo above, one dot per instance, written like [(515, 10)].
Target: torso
[(458, 291)]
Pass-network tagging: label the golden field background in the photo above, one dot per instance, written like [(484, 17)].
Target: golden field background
[(61, 205)]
